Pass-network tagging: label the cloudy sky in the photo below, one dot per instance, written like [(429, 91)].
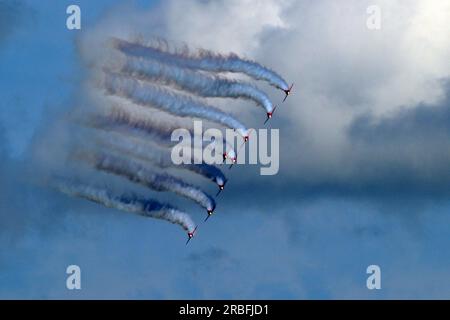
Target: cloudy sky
[(364, 155)]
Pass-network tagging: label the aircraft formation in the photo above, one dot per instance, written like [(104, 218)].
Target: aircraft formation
[(138, 95)]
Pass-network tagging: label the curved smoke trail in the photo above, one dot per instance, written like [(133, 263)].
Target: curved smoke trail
[(160, 158), (128, 202), (196, 82), (203, 60), (211, 172), (177, 104), (160, 132), (134, 172)]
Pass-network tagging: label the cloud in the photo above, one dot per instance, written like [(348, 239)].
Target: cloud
[(343, 70), (223, 25), (423, 121), (407, 149)]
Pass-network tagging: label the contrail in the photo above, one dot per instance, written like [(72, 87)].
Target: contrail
[(160, 158), (135, 172), (203, 60), (181, 105), (195, 82), (128, 202)]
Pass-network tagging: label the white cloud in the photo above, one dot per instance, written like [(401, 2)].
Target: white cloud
[(223, 25)]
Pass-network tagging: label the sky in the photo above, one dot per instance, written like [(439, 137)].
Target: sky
[(364, 156)]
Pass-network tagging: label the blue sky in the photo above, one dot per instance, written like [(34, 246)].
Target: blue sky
[(309, 232)]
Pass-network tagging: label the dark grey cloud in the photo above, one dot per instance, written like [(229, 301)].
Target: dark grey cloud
[(416, 123), (407, 151)]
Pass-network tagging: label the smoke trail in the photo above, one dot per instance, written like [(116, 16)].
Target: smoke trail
[(128, 202), (211, 172), (203, 60), (160, 158), (177, 104), (160, 132), (196, 82), (121, 121), (134, 172)]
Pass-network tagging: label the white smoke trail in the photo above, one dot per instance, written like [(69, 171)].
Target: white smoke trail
[(135, 172), (177, 104), (203, 60), (157, 156), (158, 131), (127, 202), (195, 82)]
